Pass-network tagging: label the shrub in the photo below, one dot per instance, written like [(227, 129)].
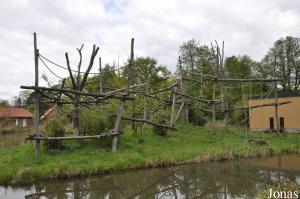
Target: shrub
[(197, 117), (93, 122), (54, 127), (159, 130)]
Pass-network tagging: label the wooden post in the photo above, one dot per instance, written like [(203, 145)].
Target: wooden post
[(117, 126), (131, 79), (173, 108), (145, 99), (245, 110), (184, 113), (213, 106), (100, 76), (178, 113), (37, 96), (130, 71), (276, 104), (121, 107)]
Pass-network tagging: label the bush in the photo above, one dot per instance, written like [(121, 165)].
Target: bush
[(93, 122), (54, 127), (159, 130), (197, 117)]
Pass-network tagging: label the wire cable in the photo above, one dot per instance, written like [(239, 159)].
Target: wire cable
[(63, 67), (50, 69)]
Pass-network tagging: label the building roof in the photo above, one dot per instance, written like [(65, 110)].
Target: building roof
[(50, 112), (279, 96), (12, 112)]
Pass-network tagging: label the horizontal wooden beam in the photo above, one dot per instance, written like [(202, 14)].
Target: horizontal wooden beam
[(122, 90), (98, 95), (198, 99), (45, 138), (165, 89), (146, 121), (212, 78), (248, 80), (269, 104), (256, 106)]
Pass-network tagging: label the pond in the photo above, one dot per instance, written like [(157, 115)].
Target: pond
[(231, 179)]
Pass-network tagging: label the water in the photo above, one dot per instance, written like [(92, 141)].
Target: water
[(234, 179)]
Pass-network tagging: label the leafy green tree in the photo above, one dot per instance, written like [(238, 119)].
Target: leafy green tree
[(284, 58), (239, 67), (4, 103)]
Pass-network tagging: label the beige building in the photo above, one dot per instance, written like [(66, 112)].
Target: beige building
[(263, 118)]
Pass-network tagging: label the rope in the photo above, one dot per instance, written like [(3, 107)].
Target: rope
[(50, 69), (63, 67)]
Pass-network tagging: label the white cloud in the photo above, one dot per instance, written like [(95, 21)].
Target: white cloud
[(158, 26)]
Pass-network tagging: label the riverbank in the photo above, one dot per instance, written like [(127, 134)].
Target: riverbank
[(190, 144)]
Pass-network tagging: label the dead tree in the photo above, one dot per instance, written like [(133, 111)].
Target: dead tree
[(219, 58), (80, 83)]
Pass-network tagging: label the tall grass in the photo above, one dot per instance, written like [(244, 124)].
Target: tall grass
[(190, 144)]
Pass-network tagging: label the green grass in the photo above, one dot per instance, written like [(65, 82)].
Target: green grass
[(190, 144)]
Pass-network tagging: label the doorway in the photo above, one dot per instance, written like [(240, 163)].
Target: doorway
[(271, 123), (281, 123)]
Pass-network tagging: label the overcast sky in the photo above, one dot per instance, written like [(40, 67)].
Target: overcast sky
[(158, 26)]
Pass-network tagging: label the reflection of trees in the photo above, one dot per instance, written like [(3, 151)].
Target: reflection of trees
[(216, 180)]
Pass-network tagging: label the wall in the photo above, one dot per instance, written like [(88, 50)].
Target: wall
[(259, 117)]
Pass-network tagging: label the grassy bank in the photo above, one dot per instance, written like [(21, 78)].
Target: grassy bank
[(190, 144)]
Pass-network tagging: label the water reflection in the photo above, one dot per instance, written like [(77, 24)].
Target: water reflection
[(237, 179)]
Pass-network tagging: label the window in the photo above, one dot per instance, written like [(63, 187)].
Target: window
[(271, 123), (24, 123), (281, 123)]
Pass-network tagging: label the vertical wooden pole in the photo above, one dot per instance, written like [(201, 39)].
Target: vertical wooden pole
[(178, 113), (213, 106), (130, 75), (245, 110), (187, 113), (184, 113), (121, 107), (37, 96), (100, 76), (145, 99), (173, 108), (276, 104), (131, 80), (117, 126)]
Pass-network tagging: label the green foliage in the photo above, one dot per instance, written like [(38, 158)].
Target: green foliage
[(4, 103), (284, 58), (54, 127), (93, 122), (197, 117)]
